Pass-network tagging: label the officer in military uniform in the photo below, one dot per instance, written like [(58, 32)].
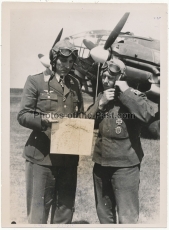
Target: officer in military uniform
[(50, 179), (120, 112)]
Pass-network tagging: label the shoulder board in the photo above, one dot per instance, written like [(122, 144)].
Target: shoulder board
[(36, 74), (136, 92)]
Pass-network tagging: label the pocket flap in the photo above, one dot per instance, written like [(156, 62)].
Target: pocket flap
[(45, 96), (53, 97)]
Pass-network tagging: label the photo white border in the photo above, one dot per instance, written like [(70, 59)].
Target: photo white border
[(5, 128)]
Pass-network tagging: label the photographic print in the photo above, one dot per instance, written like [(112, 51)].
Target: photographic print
[(85, 135)]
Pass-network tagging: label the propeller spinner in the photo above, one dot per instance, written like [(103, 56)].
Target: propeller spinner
[(100, 54)]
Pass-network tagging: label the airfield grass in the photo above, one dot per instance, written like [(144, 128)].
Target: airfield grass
[(85, 212)]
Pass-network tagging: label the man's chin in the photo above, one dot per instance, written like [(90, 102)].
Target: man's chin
[(106, 87), (63, 73)]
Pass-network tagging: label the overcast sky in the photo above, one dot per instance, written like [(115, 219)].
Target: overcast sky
[(34, 29)]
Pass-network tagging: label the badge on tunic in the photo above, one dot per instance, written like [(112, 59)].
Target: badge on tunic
[(48, 92), (119, 121), (64, 98), (118, 130)]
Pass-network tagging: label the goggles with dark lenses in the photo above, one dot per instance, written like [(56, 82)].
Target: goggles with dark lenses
[(66, 52), (113, 69)]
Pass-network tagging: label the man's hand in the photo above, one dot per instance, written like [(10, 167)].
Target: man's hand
[(107, 96), (47, 120), (122, 85), (45, 123)]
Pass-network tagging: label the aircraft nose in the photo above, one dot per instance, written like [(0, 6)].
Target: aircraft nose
[(99, 54)]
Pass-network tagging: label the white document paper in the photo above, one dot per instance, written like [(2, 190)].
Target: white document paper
[(72, 136)]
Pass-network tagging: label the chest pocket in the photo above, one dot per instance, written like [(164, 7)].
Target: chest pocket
[(112, 130), (48, 102)]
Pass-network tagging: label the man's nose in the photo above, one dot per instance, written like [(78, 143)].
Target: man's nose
[(66, 65), (106, 80)]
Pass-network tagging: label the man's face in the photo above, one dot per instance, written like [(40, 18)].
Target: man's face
[(108, 80), (64, 65)]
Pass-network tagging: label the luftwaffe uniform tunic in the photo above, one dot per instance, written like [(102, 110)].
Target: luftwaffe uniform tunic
[(118, 154), (59, 171)]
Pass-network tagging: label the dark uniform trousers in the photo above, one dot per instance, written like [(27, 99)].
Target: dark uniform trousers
[(117, 188), (50, 186)]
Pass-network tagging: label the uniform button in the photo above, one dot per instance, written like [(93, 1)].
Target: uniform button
[(64, 106), (35, 137)]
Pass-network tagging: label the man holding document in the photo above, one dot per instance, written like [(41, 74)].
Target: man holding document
[(50, 178)]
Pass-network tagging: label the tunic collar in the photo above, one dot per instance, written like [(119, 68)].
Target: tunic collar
[(55, 84)]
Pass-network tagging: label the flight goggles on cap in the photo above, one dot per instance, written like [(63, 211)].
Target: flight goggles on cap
[(112, 68), (65, 51)]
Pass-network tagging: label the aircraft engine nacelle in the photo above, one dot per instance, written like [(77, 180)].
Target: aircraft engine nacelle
[(136, 52), (137, 75), (141, 80)]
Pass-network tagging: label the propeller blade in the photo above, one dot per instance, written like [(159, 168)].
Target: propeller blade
[(44, 59), (90, 45), (58, 37), (114, 34), (40, 56)]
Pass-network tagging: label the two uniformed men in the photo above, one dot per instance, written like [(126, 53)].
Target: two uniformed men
[(50, 179), (118, 153)]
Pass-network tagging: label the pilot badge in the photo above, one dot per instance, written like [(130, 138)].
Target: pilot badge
[(119, 121), (118, 130), (48, 92)]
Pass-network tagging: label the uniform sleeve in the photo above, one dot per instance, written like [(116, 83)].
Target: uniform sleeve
[(28, 117), (93, 110), (137, 104)]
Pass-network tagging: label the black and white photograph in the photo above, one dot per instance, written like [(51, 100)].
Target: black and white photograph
[(84, 114)]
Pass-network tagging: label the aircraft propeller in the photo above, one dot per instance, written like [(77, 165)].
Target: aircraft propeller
[(90, 45), (101, 54), (40, 56), (58, 37), (44, 59), (115, 33)]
